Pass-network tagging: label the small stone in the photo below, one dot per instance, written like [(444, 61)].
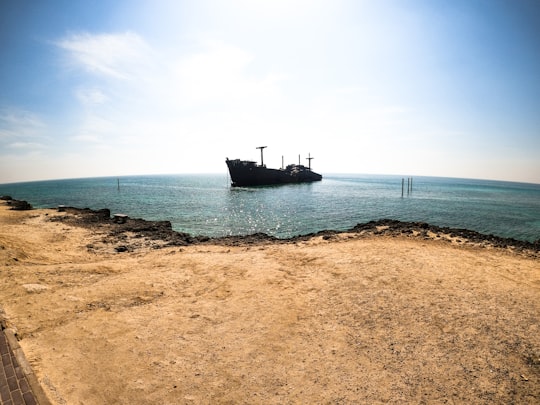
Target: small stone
[(35, 288)]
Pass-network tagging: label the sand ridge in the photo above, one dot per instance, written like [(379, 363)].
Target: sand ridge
[(332, 318)]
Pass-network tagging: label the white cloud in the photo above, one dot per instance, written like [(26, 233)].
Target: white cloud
[(22, 134), (129, 75), (87, 138), (31, 146), (19, 123), (91, 96), (97, 130), (111, 55), (173, 100)]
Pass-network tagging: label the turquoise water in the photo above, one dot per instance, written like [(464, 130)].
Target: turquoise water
[(206, 205)]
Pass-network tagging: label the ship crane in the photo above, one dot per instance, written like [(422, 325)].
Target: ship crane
[(309, 160), (261, 148)]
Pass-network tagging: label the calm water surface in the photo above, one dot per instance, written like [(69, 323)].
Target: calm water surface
[(206, 205)]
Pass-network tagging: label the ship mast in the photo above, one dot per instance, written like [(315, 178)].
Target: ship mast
[(261, 148), (309, 160)]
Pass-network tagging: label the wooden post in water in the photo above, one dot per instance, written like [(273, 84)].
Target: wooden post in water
[(118, 184), (402, 185), (408, 184), (411, 185)]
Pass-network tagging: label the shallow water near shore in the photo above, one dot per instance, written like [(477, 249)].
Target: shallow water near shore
[(207, 205)]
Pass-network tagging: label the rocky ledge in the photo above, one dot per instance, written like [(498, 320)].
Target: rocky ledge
[(17, 205), (162, 231), (161, 234)]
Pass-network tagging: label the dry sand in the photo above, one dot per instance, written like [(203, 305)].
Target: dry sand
[(345, 319)]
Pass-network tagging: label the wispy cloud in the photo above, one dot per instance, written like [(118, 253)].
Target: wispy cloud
[(87, 138), (216, 72), (96, 130), (18, 123), (91, 96), (111, 55), (26, 146), (132, 90)]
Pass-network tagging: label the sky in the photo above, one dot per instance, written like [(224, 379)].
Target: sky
[(405, 87)]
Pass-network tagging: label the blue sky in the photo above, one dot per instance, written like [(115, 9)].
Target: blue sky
[(407, 87)]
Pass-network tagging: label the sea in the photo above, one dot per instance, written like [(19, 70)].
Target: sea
[(208, 205)]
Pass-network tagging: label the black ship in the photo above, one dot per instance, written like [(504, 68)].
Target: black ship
[(245, 173)]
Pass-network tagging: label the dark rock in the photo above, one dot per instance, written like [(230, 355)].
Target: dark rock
[(104, 213), (18, 205)]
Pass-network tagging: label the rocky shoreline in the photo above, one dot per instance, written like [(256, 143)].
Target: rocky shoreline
[(162, 231)]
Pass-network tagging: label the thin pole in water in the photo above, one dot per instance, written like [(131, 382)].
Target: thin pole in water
[(118, 184), (402, 185)]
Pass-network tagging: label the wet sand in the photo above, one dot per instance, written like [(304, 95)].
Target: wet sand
[(117, 313)]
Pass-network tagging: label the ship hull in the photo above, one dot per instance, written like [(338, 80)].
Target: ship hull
[(246, 174)]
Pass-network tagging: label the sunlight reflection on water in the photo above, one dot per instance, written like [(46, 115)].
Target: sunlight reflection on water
[(206, 205)]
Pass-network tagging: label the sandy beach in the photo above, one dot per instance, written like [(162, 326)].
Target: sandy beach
[(111, 316)]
